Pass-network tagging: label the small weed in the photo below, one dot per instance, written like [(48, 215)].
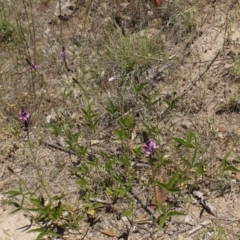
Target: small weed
[(9, 33), (215, 232), (128, 52)]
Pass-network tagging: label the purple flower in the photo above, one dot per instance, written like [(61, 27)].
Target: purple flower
[(63, 53), (33, 67), (111, 79), (148, 147), (24, 115)]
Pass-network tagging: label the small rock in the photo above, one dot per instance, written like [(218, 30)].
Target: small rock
[(220, 135), (62, 142), (186, 124), (52, 117), (65, 8)]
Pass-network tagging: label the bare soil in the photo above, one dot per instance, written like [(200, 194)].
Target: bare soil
[(208, 92)]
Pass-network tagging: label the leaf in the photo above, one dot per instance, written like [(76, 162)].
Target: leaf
[(43, 233), (173, 179), (200, 169), (165, 187), (60, 197), (111, 108), (129, 211), (56, 130), (162, 221), (195, 150), (90, 211), (224, 162), (109, 233), (88, 10), (186, 144), (187, 163), (232, 168), (12, 193), (174, 213), (162, 208), (37, 202), (82, 182)]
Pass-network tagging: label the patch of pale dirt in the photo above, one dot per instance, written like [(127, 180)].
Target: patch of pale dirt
[(11, 225)]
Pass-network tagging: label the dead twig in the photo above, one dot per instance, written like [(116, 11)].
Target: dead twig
[(58, 148), (198, 79), (165, 111)]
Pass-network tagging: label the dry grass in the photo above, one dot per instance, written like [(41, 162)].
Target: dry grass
[(82, 158)]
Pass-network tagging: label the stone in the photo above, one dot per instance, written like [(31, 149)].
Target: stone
[(186, 124), (65, 8)]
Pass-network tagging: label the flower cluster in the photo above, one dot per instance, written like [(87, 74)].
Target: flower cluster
[(33, 67), (148, 147), (24, 116)]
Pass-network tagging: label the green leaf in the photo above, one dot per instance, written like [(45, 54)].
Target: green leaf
[(88, 10), (109, 192), (57, 211), (56, 130), (111, 108), (224, 162), (183, 143), (174, 213), (232, 168), (137, 151), (119, 178), (83, 169), (43, 233), (137, 88), (200, 168), (121, 134), (127, 122), (125, 161), (195, 150), (186, 162), (93, 163), (16, 210), (173, 179), (129, 211), (12, 193), (120, 191), (165, 187), (37, 202), (162, 221), (109, 165), (60, 197), (162, 208), (82, 182), (36, 230), (189, 137)]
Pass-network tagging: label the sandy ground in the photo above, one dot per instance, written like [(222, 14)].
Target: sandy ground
[(11, 224)]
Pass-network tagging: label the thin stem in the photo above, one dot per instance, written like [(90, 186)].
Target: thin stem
[(40, 178)]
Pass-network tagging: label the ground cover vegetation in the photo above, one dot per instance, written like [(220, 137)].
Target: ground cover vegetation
[(108, 114)]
